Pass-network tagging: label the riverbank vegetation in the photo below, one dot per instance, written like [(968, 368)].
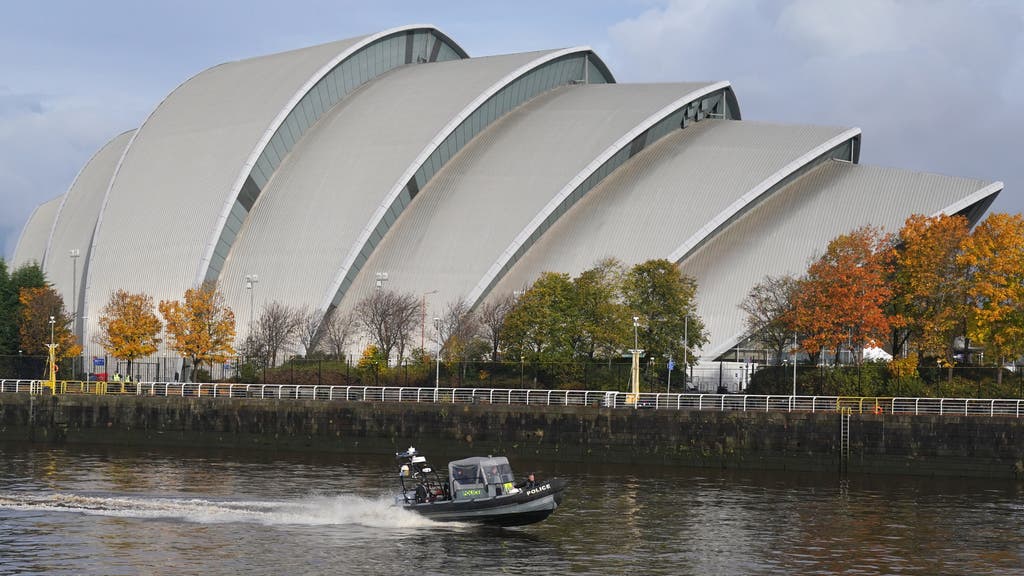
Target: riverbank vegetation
[(944, 301)]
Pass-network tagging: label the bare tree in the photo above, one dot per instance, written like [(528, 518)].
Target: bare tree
[(458, 328), (492, 318), (255, 352), (389, 319), (339, 327), (308, 322), (770, 307), (276, 328)]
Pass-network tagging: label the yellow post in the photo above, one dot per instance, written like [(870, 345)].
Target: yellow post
[(51, 382), (634, 378)]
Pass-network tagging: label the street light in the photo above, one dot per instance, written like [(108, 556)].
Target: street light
[(686, 347), (794, 364), (250, 285), (74, 254), (635, 372), (423, 318), (53, 358), (437, 356)]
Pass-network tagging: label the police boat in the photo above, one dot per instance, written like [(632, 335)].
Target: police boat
[(479, 490)]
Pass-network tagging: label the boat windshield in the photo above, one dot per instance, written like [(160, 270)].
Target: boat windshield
[(466, 474), (471, 476), (499, 473)]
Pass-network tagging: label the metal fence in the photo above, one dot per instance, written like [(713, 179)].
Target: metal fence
[(618, 400)]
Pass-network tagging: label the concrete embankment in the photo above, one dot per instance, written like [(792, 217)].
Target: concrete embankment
[(887, 443)]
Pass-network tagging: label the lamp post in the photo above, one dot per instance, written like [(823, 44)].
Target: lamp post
[(636, 334), (686, 347), (635, 372), (250, 285), (74, 254), (423, 318), (794, 364), (52, 359), (87, 367), (437, 356)]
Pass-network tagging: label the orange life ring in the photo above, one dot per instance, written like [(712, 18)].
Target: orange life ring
[(878, 409)]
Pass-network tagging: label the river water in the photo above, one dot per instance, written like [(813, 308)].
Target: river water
[(101, 510)]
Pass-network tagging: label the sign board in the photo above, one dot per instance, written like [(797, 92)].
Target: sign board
[(99, 362)]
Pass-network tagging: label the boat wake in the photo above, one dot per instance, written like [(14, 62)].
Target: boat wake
[(311, 511)]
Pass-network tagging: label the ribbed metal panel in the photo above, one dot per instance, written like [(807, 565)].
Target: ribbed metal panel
[(785, 231), (76, 220), (174, 179), (32, 243), (311, 212), (665, 194), (459, 224)]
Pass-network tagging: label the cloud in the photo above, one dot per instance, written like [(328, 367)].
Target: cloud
[(44, 142), (934, 86)]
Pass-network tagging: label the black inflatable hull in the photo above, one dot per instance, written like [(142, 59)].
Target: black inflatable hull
[(530, 506)]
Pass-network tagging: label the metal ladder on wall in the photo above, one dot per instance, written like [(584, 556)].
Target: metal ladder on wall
[(844, 438)]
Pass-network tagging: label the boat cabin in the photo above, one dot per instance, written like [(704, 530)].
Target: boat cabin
[(480, 477)]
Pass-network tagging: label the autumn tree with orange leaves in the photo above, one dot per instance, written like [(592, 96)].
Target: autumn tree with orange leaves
[(129, 327), (37, 306), (994, 256), (202, 327), (931, 283), (843, 296)]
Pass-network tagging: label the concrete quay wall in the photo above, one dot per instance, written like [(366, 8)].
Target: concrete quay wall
[(886, 443)]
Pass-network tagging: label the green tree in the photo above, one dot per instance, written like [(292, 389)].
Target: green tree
[(603, 320), (26, 276), (538, 329), (8, 318), (129, 327), (664, 298)]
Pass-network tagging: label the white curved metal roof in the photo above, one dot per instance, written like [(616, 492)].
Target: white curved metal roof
[(312, 211), (458, 226), (76, 220), (31, 245), (782, 233), (667, 193), (300, 167), (166, 203)]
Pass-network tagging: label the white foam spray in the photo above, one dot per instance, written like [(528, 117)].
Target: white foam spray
[(310, 511)]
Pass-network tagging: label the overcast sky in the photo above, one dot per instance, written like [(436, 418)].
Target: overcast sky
[(934, 85)]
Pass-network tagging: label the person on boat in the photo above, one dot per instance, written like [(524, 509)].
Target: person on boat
[(495, 478), (495, 475), (530, 482)]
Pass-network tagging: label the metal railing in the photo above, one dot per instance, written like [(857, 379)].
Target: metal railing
[(652, 401)]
